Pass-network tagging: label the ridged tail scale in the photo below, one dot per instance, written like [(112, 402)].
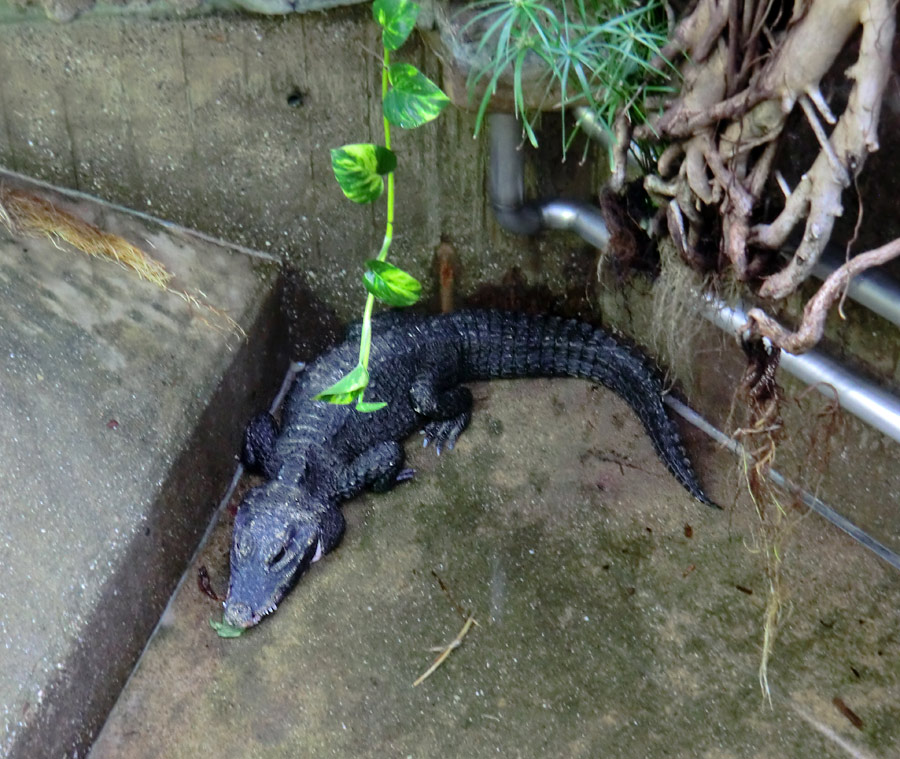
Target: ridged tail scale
[(502, 344)]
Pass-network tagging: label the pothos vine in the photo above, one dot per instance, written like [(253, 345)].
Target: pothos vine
[(409, 99)]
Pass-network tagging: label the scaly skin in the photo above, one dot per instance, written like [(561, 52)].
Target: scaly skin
[(326, 454)]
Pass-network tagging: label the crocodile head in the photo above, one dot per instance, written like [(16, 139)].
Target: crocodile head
[(278, 532)]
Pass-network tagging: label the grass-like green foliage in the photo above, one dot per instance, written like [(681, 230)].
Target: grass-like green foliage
[(596, 53)]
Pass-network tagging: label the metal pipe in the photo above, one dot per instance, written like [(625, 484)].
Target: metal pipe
[(873, 289), (506, 178), (581, 218), (859, 396), (855, 393), (506, 183), (821, 508)]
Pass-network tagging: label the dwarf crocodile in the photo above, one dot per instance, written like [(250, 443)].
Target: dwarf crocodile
[(325, 454)]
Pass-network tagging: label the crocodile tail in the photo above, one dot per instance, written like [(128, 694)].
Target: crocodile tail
[(502, 344)]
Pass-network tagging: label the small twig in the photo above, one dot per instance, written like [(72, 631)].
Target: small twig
[(760, 172), (450, 598), (455, 643), (852, 241), (782, 184), (818, 100)]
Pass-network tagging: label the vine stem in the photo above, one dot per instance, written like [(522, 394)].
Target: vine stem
[(365, 342), (389, 226)]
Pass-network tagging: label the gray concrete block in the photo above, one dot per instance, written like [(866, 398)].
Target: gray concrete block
[(121, 407)]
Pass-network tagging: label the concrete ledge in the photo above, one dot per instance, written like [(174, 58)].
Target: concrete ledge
[(18, 11), (121, 408)]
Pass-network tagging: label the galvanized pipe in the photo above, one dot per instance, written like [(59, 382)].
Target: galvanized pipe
[(506, 183), (876, 290), (859, 396)]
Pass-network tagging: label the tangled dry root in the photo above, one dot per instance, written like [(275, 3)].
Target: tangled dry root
[(747, 68)]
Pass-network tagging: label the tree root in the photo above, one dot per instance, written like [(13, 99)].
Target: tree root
[(812, 325), (745, 69)]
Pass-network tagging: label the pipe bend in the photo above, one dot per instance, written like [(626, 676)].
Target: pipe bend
[(582, 218), (506, 185)]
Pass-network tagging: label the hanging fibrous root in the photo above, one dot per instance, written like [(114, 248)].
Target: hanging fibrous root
[(746, 66)]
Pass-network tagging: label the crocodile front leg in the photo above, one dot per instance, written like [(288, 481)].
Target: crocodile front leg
[(258, 452), (378, 468)]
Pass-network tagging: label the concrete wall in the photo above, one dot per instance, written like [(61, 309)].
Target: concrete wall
[(224, 124)]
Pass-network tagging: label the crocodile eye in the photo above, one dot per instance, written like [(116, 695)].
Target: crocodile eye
[(278, 556)]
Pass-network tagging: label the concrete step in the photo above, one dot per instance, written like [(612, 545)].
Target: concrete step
[(121, 406)]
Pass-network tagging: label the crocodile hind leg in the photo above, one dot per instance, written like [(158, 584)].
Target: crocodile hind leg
[(448, 410)]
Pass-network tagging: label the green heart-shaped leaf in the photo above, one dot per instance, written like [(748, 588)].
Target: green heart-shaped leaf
[(367, 407), (390, 284), (224, 630), (358, 169), (397, 19), (347, 389), (413, 99)]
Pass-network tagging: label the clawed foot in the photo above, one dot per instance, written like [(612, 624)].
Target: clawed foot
[(405, 474), (444, 433)]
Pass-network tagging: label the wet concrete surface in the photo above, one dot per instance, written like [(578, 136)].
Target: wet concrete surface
[(113, 401), (616, 617)]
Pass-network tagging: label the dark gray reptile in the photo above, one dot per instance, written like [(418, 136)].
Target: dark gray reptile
[(326, 454)]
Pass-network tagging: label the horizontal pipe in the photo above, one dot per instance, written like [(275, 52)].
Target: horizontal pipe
[(809, 500), (859, 396), (583, 219), (872, 289)]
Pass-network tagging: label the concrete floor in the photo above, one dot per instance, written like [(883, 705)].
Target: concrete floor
[(616, 617)]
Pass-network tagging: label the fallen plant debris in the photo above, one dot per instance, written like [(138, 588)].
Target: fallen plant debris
[(851, 715), (29, 215), (455, 643)]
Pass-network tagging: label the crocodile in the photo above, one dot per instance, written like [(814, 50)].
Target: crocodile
[(325, 454)]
